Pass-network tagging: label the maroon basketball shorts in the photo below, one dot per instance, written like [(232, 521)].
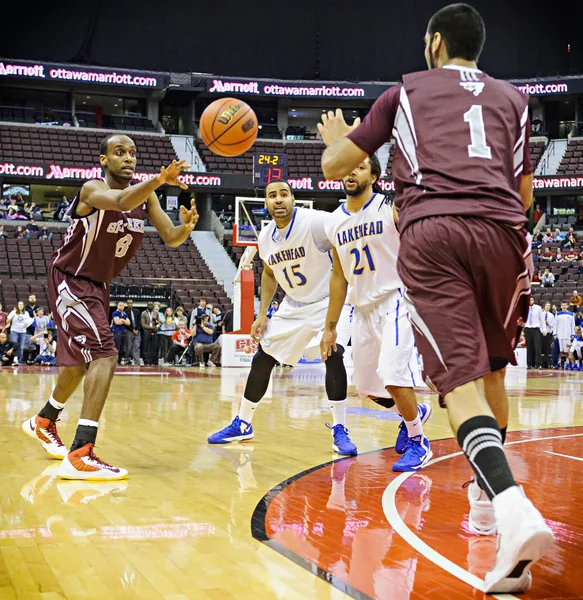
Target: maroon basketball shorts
[(468, 287), (81, 312)]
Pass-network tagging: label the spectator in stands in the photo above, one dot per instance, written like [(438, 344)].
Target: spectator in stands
[(8, 350), (180, 341), (120, 323), (203, 343), (558, 256), (535, 277), (538, 256), (31, 309), (571, 240), (537, 240), (570, 255), (36, 211), (167, 329), (45, 234), (548, 279), (180, 319), (575, 302), (533, 333), (200, 311), (227, 322), (18, 321), (133, 340), (272, 308), (42, 322), (580, 267), (558, 237), (217, 318), (22, 233), (537, 214), (61, 212), (48, 348), (3, 318), (157, 307), (27, 209), (2, 234), (548, 237), (32, 228), (150, 320), (547, 336)]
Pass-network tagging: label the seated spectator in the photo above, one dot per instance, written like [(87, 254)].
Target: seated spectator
[(538, 255), (548, 237), (575, 302), (32, 227), (558, 237), (547, 254), (570, 254), (47, 348), (580, 268), (180, 341), (203, 342), (535, 279), (3, 318), (537, 213), (217, 318), (61, 212), (180, 318), (44, 234), (27, 209), (548, 279), (36, 211), (8, 350), (537, 240), (22, 233), (273, 308), (559, 256), (2, 234)]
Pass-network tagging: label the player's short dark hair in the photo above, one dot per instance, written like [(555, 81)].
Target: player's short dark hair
[(462, 28), (105, 143), (281, 181)]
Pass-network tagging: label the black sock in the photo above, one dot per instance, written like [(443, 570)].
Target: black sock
[(384, 402), (481, 441), (48, 411), (336, 381), (85, 434), (503, 434)]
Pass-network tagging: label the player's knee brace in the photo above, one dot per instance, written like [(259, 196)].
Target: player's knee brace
[(336, 381), (259, 375), (384, 402)]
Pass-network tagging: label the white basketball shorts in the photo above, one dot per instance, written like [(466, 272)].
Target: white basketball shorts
[(296, 329), (383, 347)]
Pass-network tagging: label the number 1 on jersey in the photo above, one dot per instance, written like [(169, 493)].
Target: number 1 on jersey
[(359, 270), (478, 148)]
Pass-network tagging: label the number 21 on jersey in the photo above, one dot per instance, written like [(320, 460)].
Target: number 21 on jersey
[(358, 270)]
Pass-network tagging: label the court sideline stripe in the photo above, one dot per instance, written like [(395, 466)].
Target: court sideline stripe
[(394, 519)]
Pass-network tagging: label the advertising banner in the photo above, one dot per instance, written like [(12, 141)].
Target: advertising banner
[(238, 350)]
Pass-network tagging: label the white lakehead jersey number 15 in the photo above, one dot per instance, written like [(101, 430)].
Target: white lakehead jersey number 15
[(300, 268), (367, 244)]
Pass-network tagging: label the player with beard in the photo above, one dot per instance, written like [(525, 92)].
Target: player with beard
[(107, 227), (365, 246)]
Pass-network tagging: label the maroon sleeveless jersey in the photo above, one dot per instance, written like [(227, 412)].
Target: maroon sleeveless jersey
[(462, 144), (100, 245)]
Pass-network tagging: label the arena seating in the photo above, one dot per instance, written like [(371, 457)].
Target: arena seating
[(75, 147), (572, 162), (536, 151), (24, 270), (562, 222), (566, 281)]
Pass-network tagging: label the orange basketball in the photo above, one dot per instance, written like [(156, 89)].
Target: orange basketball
[(228, 127)]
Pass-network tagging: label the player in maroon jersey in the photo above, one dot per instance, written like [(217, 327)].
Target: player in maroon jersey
[(106, 230), (463, 179)]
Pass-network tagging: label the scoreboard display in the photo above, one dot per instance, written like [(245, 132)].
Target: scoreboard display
[(267, 167)]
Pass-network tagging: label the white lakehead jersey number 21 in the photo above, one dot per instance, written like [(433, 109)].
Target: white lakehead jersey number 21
[(299, 267), (367, 244)]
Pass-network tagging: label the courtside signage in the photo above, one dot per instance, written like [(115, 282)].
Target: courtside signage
[(81, 74)]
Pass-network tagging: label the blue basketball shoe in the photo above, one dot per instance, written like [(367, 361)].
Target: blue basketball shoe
[(417, 454), (403, 436), (237, 431), (341, 440)]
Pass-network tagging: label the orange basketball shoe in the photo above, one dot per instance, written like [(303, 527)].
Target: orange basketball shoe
[(83, 464), (45, 431)]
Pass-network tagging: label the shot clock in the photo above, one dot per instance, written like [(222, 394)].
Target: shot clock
[(267, 167)]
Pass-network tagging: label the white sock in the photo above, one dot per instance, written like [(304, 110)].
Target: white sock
[(247, 409), (55, 404), (339, 411), (414, 428), (88, 423)]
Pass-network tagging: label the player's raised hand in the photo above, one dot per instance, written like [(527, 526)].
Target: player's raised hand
[(328, 343), (170, 173), (258, 327), (189, 217), (333, 126)]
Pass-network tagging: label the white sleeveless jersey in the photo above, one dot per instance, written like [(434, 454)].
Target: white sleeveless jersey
[(300, 268), (367, 243)]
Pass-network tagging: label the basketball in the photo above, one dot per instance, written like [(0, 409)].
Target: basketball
[(228, 127)]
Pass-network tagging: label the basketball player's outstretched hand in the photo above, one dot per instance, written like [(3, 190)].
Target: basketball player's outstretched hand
[(328, 343), (170, 174), (189, 217), (333, 126), (258, 327)]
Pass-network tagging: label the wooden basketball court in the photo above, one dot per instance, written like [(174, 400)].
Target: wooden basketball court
[(271, 518)]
